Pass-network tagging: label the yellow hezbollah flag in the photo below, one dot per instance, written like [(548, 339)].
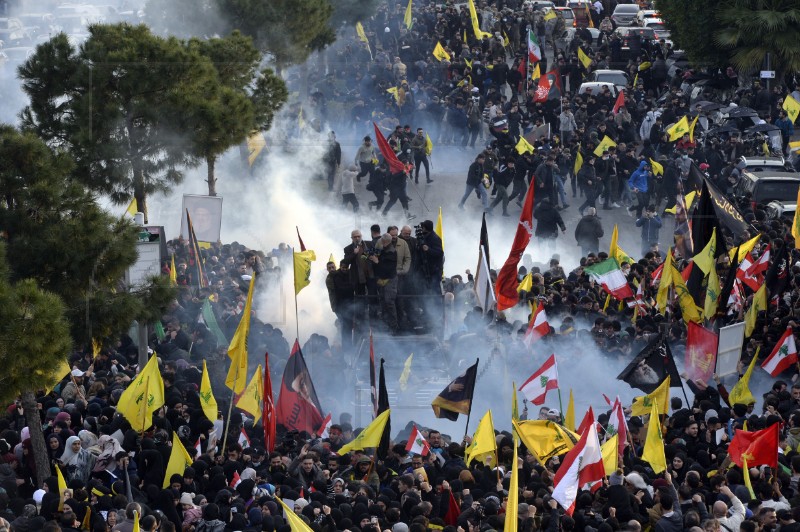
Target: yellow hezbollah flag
[(569, 417), (439, 228), (179, 460), (585, 60), (545, 439), (537, 72), (678, 129), (792, 107), (132, 207), (483, 442), (745, 248), (237, 350), (476, 27), (506, 40), (394, 91), (644, 65), (740, 393), (440, 53), (712, 294), (207, 401), (689, 309), (550, 15), (578, 162), (295, 523), (524, 146), (526, 283), (302, 269), (360, 32), (173, 273), (256, 144), (610, 452), (428, 144), (510, 523), (62, 487), (370, 436), (796, 224), (253, 397), (143, 396), (653, 452), (688, 200), (407, 17), (136, 522), (605, 144), (658, 168), (691, 128), (615, 251), (643, 404), (664, 283), (705, 259), (404, 376), (759, 303)]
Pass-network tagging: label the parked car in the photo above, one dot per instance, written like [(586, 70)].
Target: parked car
[(766, 186), (625, 14), (595, 88), (581, 10), (617, 77), (625, 34), (644, 14)]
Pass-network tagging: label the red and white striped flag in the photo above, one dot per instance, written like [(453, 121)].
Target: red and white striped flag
[(617, 425), (323, 429), (545, 378), (538, 326), (417, 443), (582, 468), (198, 449)]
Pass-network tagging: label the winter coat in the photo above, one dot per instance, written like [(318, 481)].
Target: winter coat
[(588, 232), (475, 174), (650, 228), (549, 220)]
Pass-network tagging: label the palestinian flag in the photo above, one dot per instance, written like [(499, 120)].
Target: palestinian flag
[(608, 274), (783, 356)]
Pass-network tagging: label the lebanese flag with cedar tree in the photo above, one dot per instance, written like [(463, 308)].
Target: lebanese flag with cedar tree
[(506, 284), (543, 380), (783, 356), (617, 425), (582, 468), (417, 443), (537, 327)]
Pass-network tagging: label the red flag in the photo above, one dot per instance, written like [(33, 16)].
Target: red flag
[(746, 275), (620, 102), (522, 68), (581, 468), (373, 389), (268, 412), (298, 406), (302, 245), (453, 511), (538, 327), (506, 285), (235, 480), (395, 165), (701, 353), (543, 89), (588, 419), (759, 447), (657, 272)]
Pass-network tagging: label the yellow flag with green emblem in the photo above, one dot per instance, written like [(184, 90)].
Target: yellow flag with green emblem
[(796, 223), (237, 350), (610, 452), (510, 523), (792, 107), (483, 443), (678, 129), (569, 417), (207, 401), (643, 404), (407, 20), (585, 60), (143, 396), (605, 144), (759, 303), (740, 393), (370, 436), (252, 400), (179, 460), (653, 452), (302, 269)]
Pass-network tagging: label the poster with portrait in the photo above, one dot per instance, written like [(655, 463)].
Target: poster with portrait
[(206, 213)]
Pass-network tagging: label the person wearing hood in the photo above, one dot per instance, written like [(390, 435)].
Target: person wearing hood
[(638, 181), (650, 223), (77, 461)]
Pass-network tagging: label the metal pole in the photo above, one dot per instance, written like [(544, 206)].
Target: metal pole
[(768, 70)]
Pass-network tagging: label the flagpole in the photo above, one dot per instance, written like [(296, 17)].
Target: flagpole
[(230, 407), (560, 406), (294, 282), (469, 412)]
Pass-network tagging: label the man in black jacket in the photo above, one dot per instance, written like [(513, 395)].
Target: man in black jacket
[(475, 182), (549, 222), (503, 177), (588, 232)]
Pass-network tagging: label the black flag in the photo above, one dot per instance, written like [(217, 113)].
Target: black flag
[(383, 405), (727, 288), (457, 397), (704, 220), (651, 366), (777, 278), (484, 241)]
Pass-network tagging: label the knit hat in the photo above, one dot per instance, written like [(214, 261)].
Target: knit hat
[(187, 498), (616, 478)]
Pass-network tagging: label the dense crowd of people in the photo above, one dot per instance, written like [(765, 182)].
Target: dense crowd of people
[(483, 100)]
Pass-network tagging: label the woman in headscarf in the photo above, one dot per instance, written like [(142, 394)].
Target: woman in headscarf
[(77, 461)]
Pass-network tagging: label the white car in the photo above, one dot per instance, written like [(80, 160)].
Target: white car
[(617, 77), (595, 87), (645, 14)]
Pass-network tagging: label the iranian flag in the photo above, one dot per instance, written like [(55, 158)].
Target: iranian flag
[(582, 468), (417, 444), (538, 326), (534, 50), (783, 356), (546, 378), (608, 274)]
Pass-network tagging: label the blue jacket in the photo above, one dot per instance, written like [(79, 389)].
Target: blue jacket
[(786, 126), (650, 228), (638, 178)]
